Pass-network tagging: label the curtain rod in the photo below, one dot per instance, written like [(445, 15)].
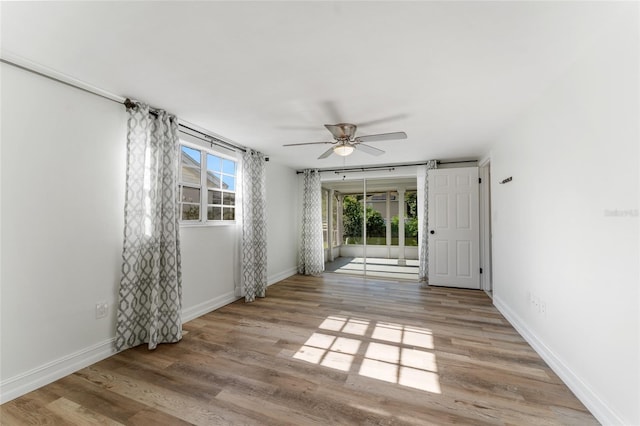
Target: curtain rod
[(210, 138), (77, 84), (389, 167), (203, 136), (210, 141)]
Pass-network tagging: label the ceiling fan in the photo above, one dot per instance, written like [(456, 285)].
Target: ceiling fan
[(345, 140)]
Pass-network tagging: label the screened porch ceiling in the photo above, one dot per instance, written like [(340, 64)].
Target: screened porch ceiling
[(373, 185)]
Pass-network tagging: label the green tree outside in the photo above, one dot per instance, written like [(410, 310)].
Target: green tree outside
[(376, 227), (352, 218), (411, 221)]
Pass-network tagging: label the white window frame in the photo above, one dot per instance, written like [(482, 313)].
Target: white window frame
[(204, 188)]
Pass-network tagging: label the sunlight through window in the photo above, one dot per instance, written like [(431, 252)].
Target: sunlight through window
[(346, 325), (349, 346), (419, 379), (310, 354), (333, 323), (319, 340), (329, 351), (419, 359), (356, 326), (417, 337), (388, 332), (379, 370), (337, 361), (382, 352), (400, 355)]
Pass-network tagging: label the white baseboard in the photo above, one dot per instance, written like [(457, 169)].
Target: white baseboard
[(600, 410), (207, 306), (282, 275), (35, 378)]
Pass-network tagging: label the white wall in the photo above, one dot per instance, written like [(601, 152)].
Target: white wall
[(282, 222), (574, 157), (208, 268), (63, 177), (63, 160), (209, 260)]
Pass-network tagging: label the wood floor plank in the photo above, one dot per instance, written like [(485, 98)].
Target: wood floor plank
[(75, 414), (322, 350)]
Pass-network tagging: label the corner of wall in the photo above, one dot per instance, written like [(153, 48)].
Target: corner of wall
[(600, 409)]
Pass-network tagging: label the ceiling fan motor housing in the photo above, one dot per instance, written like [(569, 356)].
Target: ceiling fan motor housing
[(343, 131)]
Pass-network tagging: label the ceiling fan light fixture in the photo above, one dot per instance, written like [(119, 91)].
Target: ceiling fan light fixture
[(343, 150)]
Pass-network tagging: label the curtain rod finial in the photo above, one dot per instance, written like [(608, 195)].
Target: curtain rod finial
[(128, 103)]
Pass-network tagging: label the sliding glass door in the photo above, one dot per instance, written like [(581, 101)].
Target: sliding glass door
[(377, 224)]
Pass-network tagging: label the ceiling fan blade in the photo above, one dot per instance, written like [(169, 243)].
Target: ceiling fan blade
[(332, 111), (368, 149), (305, 143), (383, 120), (382, 137), (326, 154), (297, 127)]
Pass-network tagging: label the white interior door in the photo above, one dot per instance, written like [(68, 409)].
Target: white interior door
[(454, 228)]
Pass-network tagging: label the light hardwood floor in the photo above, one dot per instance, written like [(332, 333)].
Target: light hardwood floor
[(322, 350)]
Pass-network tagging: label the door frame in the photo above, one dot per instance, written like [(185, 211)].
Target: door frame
[(486, 261)]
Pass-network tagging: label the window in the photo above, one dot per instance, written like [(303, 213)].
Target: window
[(207, 186), (376, 208), (352, 219), (221, 188), (190, 177), (411, 219), (333, 214), (377, 220)]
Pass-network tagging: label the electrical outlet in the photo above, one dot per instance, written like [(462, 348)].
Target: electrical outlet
[(102, 308), (543, 308)]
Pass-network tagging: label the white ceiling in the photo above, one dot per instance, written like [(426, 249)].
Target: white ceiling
[(452, 75)]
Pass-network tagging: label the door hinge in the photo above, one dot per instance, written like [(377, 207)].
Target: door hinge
[(479, 180), (480, 270)]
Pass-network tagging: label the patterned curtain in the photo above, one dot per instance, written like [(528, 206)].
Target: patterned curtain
[(423, 269), (150, 303), (311, 248), (254, 226)]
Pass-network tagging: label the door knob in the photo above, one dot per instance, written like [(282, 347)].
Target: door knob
[(432, 232)]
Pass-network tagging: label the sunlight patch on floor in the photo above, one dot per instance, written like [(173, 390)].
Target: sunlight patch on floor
[(350, 325), (376, 267), (330, 351), (400, 355), (398, 333)]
